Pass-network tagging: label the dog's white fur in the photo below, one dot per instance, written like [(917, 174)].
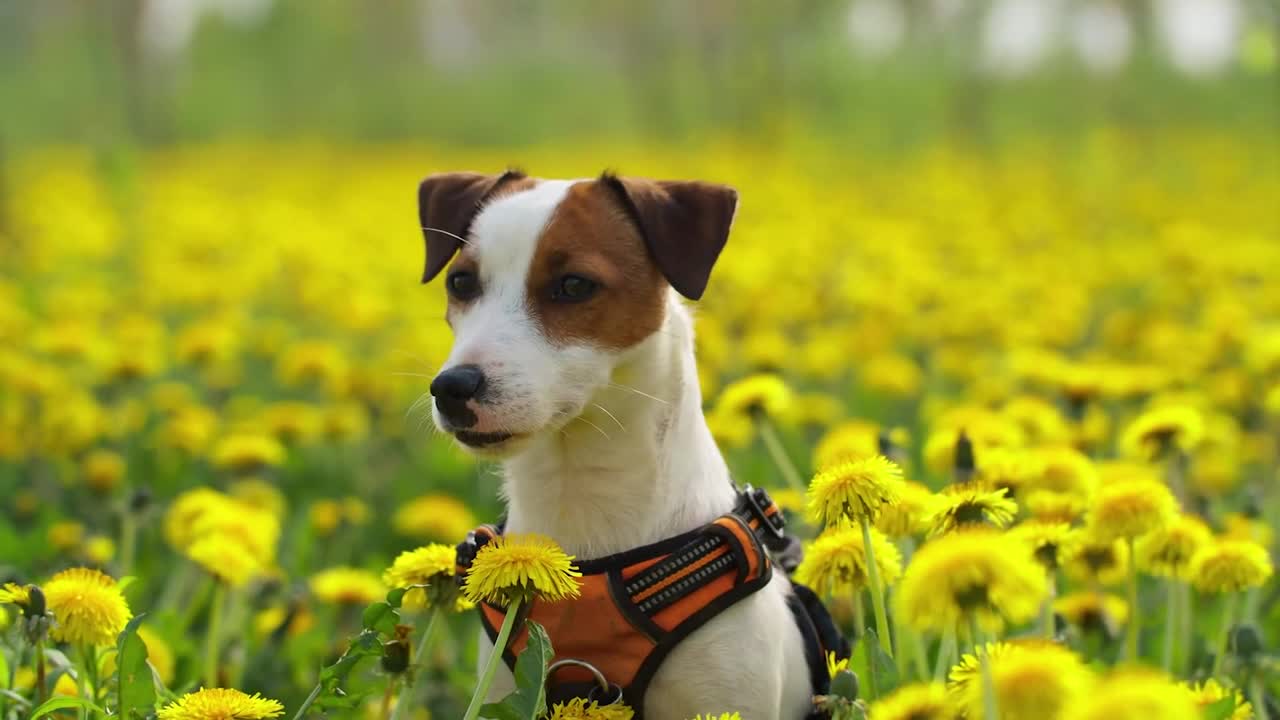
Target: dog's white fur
[(612, 452)]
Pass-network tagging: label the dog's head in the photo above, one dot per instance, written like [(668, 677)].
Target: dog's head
[(551, 283)]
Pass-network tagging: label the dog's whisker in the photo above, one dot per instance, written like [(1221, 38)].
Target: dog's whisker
[(459, 238), (410, 374), (612, 417), (597, 427), (638, 392)]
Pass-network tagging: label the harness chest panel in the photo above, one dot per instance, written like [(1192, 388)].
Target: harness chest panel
[(636, 606)]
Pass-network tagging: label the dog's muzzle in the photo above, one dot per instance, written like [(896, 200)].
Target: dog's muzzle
[(453, 389)]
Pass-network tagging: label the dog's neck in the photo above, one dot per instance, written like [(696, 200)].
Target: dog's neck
[(639, 465)]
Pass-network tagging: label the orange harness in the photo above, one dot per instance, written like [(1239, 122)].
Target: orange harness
[(636, 606)]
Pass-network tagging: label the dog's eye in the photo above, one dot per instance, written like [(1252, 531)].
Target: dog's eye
[(463, 285), (574, 288)]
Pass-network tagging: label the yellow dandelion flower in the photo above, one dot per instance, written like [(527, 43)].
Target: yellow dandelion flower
[(1229, 566), (1167, 552), (65, 536), (325, 516), (835, 665), (978, 573), (1063, 470), (185, 510), (854, 490), (760, 394), (1162, 429), (1052, 506), (1093, 611), (347, 586), (87, 606), (579, 709), (517, 566), (1135, 695), (434, 517), (1238, 526), (102, 470), (1211, 692), (14, 594), (225, 557), (25, 679), (1032, 680), (1105, 562), (961, 506), (721, 716), (1049, 540), (259, 494), (835, 563), (248, 452), (1130, 508), (430, 565), (849, 440), (910, 515), (1002, 468), (919, 701), (1039, 419), (99, 550), (220, 704)]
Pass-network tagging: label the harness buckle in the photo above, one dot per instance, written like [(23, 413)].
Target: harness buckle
[(602, 692), (756, 501)]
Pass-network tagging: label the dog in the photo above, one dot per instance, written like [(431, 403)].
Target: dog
[(573, 364)]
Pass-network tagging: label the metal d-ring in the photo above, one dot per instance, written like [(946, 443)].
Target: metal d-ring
[(602, 683)]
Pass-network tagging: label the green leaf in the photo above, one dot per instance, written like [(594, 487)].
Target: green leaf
[(366, 644), (123, 583), (395, 598), (529, 701), (873, 666), (63, 702), (381, 616), (4, 670), (136, 688), (1220, 710)]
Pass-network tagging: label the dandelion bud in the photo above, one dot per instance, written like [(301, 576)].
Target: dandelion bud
[(35, 606), (1246, 642), (395, 656), (845, 685), (965, 464), (139, 500)]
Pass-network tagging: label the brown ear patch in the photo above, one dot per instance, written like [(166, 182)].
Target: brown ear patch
[(591, 236), (448, 202), (684, 223)]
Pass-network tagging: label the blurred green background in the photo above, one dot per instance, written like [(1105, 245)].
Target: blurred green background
[(862, 73)]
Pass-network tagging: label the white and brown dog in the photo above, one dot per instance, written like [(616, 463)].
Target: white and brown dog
[(573, 363)]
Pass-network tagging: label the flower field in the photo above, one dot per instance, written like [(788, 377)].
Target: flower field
[(1022, 403)]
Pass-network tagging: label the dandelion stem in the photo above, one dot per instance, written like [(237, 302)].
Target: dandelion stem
[(406, 692), (877, 592), (989, 708), (306, 704), (41, 695), (1132, 630), (945, 649), (499, 647), (919, 655), (1186, 611), (778, 453), (1228, 619), (1046, 610), (1259, 698), (213, 639), (128, 540), (1170, 623)]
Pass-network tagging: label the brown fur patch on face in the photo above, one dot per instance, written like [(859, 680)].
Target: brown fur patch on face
[(591, 236), (465, 259)]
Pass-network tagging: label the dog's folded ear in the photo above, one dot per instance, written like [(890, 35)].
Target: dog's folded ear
[(685, 225), (447, 203)]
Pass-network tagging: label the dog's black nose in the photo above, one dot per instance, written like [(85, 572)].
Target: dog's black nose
[(462, 382)]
